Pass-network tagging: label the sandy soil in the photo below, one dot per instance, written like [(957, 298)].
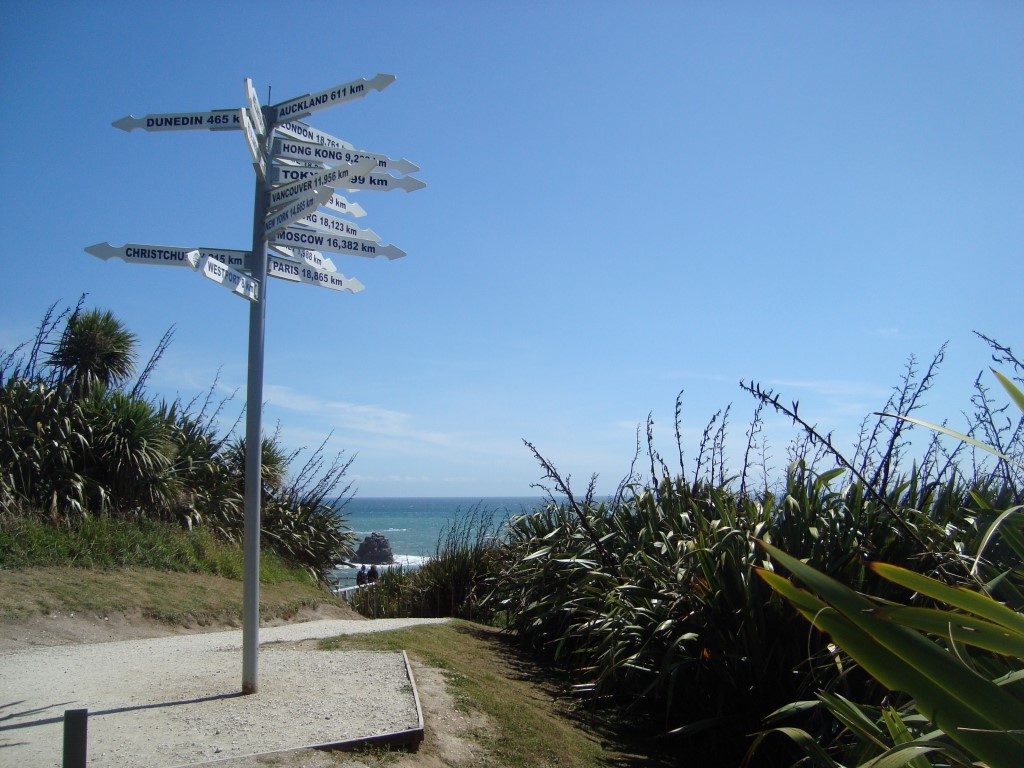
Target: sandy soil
[(71, 629), (38, 654)]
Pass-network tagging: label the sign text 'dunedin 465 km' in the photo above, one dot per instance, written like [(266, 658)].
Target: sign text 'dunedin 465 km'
[(214, 120)]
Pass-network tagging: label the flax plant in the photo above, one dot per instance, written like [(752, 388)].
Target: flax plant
[(652, 600), (76, 442)]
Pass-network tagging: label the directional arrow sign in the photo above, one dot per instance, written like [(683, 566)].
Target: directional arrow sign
[(286, 174), (313, 258), (168, 255), (306, 238), (222, 274), (293, 149), (382, 183), (313, 102), (215, 120), (341, 205), (336, 226), (303, 132), (304, 206), (259, 162), (255, 113), (289, 270), (330, 177)]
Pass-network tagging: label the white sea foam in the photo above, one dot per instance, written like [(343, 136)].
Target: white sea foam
[(401, 561)]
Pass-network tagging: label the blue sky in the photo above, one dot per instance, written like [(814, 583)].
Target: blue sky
[(624, 200)]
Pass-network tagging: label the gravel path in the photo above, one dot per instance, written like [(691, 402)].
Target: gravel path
[(174, 700)]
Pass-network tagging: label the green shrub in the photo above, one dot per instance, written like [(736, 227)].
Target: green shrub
[(452, 582), (76, 443)]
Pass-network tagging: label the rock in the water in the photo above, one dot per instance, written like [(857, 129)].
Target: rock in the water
[(375, 549)]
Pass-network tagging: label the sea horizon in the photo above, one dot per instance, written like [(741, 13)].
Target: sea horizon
[(414, 524)]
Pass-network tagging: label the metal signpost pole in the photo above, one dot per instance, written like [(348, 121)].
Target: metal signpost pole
[(254, 448), (303, 185)]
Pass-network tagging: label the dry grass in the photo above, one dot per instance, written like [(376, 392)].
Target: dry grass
[(173, 598), (530, 723)]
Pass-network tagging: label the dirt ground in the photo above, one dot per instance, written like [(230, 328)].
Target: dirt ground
[(449, 732), (447, 743), (56, 628)]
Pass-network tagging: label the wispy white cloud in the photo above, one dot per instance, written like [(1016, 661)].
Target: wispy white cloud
[(891, 332), (357, 417)]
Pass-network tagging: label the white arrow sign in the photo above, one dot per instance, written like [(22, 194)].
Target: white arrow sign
[(167, 255), (313, 258), (215, 120), (288, 270), (293, 149), (135, 253), (306, 238), (303, 132), (286, 174), (304, 206), (336, 226), (342, 205), (313, 102), (330, 177), (259, 162), (255, 113), (382, 182), (222, 274)]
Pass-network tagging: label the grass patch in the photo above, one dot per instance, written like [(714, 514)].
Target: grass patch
[(103, 542), (533, 726), (173, 598)]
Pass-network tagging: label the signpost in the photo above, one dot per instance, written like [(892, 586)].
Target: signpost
[(313, 258), (306, 151), (314, 102), (254, 110), (221, 273), (336, 226), (305, 273), (340, 204), (167, 255), (215, 120), (303, 132), (281, 216), (334, 177), (252, 139), (300, 208), (323, 241)]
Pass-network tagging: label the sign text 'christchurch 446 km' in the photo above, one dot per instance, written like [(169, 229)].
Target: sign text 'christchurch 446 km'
[(298, 169)]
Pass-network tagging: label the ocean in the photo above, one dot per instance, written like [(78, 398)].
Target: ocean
[(412, 525)]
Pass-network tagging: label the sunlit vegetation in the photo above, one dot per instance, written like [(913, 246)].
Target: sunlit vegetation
[(84, 446), (661, 599), (667, 600)]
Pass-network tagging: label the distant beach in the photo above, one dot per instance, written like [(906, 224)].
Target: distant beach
[(412, 525)]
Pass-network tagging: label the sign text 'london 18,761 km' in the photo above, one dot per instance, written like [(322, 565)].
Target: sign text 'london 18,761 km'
[(299, 171)]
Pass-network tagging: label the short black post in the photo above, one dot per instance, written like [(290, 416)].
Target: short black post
[(76, 729)]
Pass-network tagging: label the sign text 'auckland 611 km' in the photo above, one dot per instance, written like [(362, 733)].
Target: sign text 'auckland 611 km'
[(299, 171)]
